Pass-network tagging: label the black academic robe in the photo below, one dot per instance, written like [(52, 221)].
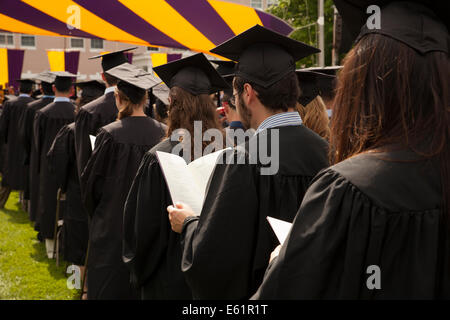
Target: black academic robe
[(14, 173), (26, 132), (226, 250), (375, 210), (62, 163), (106, 179), (151, 250), (47, 123), (89, 120)]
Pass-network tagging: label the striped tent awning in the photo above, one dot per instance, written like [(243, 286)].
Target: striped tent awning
[(198, 25)]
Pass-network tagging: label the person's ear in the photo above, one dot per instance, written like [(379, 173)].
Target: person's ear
[(103, 77), (72, 90), (248, 93), (53, 88)]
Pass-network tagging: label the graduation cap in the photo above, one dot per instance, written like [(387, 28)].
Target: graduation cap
[(113, 59), (195, 74), (312, 84), (63, 74), (264, 56), (91, 88), (46, 76), (26, 81), (161, 92), (330, 70), (224, 68), (134, 81), (420, 24)]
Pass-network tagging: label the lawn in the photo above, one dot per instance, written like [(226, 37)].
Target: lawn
[(25, 271)]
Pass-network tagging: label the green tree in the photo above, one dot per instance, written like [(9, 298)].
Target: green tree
[(302, 16)]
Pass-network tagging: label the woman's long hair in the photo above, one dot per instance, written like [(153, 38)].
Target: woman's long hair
[(185, 108), (388, 94), (315, 117)]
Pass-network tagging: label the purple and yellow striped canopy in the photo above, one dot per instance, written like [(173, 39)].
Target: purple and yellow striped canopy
[(197, 25)]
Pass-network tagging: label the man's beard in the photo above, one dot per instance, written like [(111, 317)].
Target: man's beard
[(244, 113)]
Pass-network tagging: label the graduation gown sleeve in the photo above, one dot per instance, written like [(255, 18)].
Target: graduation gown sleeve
[(95, 172), (58, 158), (4, 123), (339, 233), (151, 250), (219, 267), (84, 126), (26, 132)]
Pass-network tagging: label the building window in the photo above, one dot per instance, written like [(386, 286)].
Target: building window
[(96, 43), (77, 43), (272, 3), (27, 41), (257, 4), (155, 49), (6, 39)]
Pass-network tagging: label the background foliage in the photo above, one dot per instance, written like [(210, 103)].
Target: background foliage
[(302, 16)]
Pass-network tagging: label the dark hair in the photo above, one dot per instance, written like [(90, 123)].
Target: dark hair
[(282, 95), (132, 97), (185, 108), (25, 87), (47, 89), (161, 109), (388, 94), (63, 84), (110, 80)]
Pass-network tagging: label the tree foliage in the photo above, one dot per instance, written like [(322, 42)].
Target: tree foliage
[(302, 15)]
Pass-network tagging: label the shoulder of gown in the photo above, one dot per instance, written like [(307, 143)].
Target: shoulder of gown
[(348, 222)]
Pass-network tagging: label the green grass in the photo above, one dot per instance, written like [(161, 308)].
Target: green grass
[(25, 271)]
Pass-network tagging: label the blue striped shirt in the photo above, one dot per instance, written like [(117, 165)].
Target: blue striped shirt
[(280, 120)]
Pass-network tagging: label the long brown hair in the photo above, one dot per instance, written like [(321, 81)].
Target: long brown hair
[(185, 108), (315, 117), (388, 94)]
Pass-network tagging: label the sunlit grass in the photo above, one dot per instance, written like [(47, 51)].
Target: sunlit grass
[(25, 271)]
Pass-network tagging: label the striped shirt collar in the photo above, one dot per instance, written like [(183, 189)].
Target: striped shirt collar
[(280, 120), (24, 95), (61, 99)]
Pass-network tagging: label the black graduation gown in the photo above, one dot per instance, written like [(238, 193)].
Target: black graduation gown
[(26, 132), (89, 120), (14, 172), (226, 250), (47, 123), (62, 163), (106, 179), (151, 249), (366, 211)]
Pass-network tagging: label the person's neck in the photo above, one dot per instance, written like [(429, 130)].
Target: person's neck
[(265, 113), (62, 95), (233, 116), (138, 113)]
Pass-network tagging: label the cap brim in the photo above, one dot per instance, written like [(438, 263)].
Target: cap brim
[(167, 71), (91, 83), (233, 48), (110, 53), (354, 12), (162, 91), (134, 76)]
